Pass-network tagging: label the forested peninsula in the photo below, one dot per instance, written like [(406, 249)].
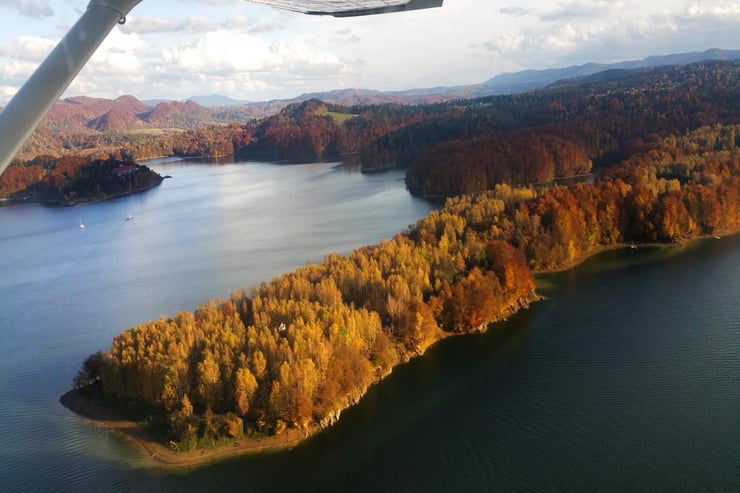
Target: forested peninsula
[(286, 357), (72, 180), (292, 353)]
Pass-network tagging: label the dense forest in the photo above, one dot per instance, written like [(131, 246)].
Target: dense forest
[(597, 116), (449, 148), (658, 156), (69, 180), (600, 119), (295, 351)]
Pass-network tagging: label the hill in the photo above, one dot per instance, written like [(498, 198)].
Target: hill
[(129, 128), (527, 80)]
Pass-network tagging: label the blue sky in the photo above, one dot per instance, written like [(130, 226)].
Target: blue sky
[(179, 48)]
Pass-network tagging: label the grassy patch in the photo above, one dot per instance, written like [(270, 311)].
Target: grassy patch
[(339, 118)]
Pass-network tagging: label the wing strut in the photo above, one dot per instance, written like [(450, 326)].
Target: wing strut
[(24, 112)]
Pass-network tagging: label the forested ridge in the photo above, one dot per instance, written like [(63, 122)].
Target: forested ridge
[(448, 148), (595, 119), (599, 115), (295, 351)]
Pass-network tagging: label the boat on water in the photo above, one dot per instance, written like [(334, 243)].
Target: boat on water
[(129, 217), (82, 225)]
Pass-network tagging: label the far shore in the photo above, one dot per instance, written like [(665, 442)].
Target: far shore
[(162, 456), (73, 203)]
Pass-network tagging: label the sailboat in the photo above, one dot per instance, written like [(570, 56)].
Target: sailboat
[(82, 225)]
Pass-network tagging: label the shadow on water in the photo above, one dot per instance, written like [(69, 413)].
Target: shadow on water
[(624, 379), (630, 258), (400, 414), (581, 391)]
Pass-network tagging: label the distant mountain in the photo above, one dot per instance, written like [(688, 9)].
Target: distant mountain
[(510, 83), (352, 97), (217, 100), (527, 80), (85, 115), (82, 114), (210, 101)]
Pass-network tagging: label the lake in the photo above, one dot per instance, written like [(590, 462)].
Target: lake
[(625, 378)]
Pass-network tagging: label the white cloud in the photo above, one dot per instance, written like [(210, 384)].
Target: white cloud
[(30, 8), (6, 92), (516, 11), (197, 24), (17, 70), (224, 51), (31, 48), (605, 31), (176, 48), (148, 25), (116, 68), (345, 37), (594, 9)]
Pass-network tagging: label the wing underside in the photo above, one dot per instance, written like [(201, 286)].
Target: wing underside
[(349, 8), (26, 109)]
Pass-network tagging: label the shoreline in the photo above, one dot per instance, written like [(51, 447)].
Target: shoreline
[(621, 246), (161, 456), (59, 203)]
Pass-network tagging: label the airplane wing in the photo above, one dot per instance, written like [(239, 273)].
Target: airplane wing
[(349, 8), (36, 97)]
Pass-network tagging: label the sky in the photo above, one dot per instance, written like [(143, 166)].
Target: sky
[(174, 49)]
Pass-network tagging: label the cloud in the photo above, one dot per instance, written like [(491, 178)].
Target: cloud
[(31, 8), (247, 51), (224, 51), (29, 48), (120, 54), (17, 71), (605, 31), (118, 67), (345, 37), (516, 11), (709, 16), (583, 10), (7, 92), (149, 25), (196, 24)]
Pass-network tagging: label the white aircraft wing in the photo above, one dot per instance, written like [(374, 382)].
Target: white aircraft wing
[(349, 8), (34, 99)]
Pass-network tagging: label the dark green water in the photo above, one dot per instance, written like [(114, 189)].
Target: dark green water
[(625, 379)]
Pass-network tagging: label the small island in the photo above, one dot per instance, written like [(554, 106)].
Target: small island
[(72, 180)]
